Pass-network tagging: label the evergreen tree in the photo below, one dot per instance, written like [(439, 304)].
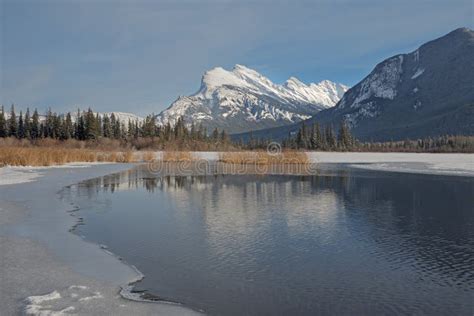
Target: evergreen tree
[(299, 139), (344, 137), (57, 126), (107, 127), (136, 130), (47, 130), (331, 139), (224, 137), (302, 138), (318, 136), (12, 123), (68, 128), (115, 123), (149, 126), (27, 123), (80, 133), (91, 125), (42, 131), (21, 126), (215, 135), (130, 129), (35, 125)]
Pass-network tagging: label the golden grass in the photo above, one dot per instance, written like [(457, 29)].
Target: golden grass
[(48, 156), (148, 156), (263, 158), (177, 156)]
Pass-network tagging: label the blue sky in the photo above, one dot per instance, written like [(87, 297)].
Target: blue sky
[(138, 56)]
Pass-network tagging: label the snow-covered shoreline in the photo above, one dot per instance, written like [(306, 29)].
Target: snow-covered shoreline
[(46, 270), (425, 163), (24, 174)]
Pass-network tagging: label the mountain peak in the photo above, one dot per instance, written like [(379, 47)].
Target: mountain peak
[(462, 33), (239, 67), (463, 30), (405, 94), (218, 77), (293, 81), (242, 99)]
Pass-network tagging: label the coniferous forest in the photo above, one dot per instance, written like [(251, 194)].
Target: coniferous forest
[(96, 130), (93, 128), (326, 138)]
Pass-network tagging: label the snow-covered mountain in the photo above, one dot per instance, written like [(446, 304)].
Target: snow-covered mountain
[(242, 100), (425, 93), (123, 117)]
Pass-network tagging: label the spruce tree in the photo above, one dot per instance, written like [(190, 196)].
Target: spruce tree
[(91, 123), (299, 139), (331, 139), (12, 123), (48, 125), (35, 125), (215, 135), (81, 128), (21, 126), (136, 130), (57, 126), (344, 137), (27, 123), (115, 126), (319, 136), (129, 129), (106, 127), (224, 137), (67, 130)]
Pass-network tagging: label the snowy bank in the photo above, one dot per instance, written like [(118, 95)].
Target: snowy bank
[(428, 163), (46, 270), (17, 174), (14, 175)]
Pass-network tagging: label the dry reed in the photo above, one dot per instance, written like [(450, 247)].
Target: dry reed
[(47, 156), (264, 158), (148, 156), (177, 156)]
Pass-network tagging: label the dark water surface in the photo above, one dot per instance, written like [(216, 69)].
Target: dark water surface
[(343, 242)]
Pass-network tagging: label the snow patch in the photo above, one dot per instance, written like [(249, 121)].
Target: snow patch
[(379, 84), (23, 174), (417, 105), (96, 295), (416, 56), (418, 73), (35, 305), (61, 302), (16, 175), (78, 287), (367, 110), (43, 298)]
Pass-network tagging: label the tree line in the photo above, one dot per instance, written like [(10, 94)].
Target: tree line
[(90, 126), (325, 138)]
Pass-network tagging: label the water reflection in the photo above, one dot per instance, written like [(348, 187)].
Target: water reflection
[(338, 242)]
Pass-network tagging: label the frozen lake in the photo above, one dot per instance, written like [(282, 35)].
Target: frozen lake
[(344, 241)]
